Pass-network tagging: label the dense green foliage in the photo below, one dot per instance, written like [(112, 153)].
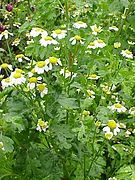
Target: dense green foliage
[(67, 112)]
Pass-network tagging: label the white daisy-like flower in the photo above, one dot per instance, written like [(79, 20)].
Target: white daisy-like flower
[(66, 73), (76, 39), (92, 45), (127, 133), (112, 126), (132, 111), (41, 67), (16, 42), (42, 125), (5, 34), (32, 82), (93, 76), (58, 33), (131, 42), (79, 24), (114, 28), (2, 146), (53, 61), (91, 94), (20, 57), (117, 45), (17, 78), (6, 83), (45, 41), (95, 29), (37, 31), (42, 89), (6, 66), (117, 107), (99, 43), (126, 53)]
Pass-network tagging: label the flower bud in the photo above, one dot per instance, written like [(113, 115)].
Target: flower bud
[(9, 7), (2, 27)]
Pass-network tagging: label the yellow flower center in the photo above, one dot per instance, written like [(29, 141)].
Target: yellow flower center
[(67, 71), (39, 30), (4, 66), (99, 41), (112, 124), (53, 60), (118, 105), (114, 27), (33, 70), (17, 75), (91, 44), (89, 93), (78, 38), (96, 29), (85, 113), (33, 80), (41, 123), (127, 52), (18, 70), (80, 22), (7, 80), (93, 75), (108, 135), (41, 87), (19, 56), (133, 109), (58, 31), (48, 38), (41, 64)]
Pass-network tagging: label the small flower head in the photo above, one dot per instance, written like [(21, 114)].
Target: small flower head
[(113, 28), (112, 178), (58, 33), (2, 146), (37, 31), (99, 43), (76, 39), (5, 34), (91, 94), (20, 57), (86, 113), (126, 53), (53, 61), (108, 135), (67, 73), (16, 42), (45, 41), (42, 89), (32, 82), (6, 66), (117, 107), (112, 126), (41, 67), (6, 83), (79, 24), (117, 45), (42, 125), (17, 78), (92, 45), (93, 76), (95, 29), (9, 7), (132, 111)]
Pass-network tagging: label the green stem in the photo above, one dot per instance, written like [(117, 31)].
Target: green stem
[(9, 50)]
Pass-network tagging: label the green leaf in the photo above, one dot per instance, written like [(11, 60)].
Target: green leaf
[(68, 103), (7, 143)]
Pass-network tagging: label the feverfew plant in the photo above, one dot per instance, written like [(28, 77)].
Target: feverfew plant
[(67, 90)]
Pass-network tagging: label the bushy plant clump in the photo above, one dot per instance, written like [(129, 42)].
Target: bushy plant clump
[(67, 104)]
